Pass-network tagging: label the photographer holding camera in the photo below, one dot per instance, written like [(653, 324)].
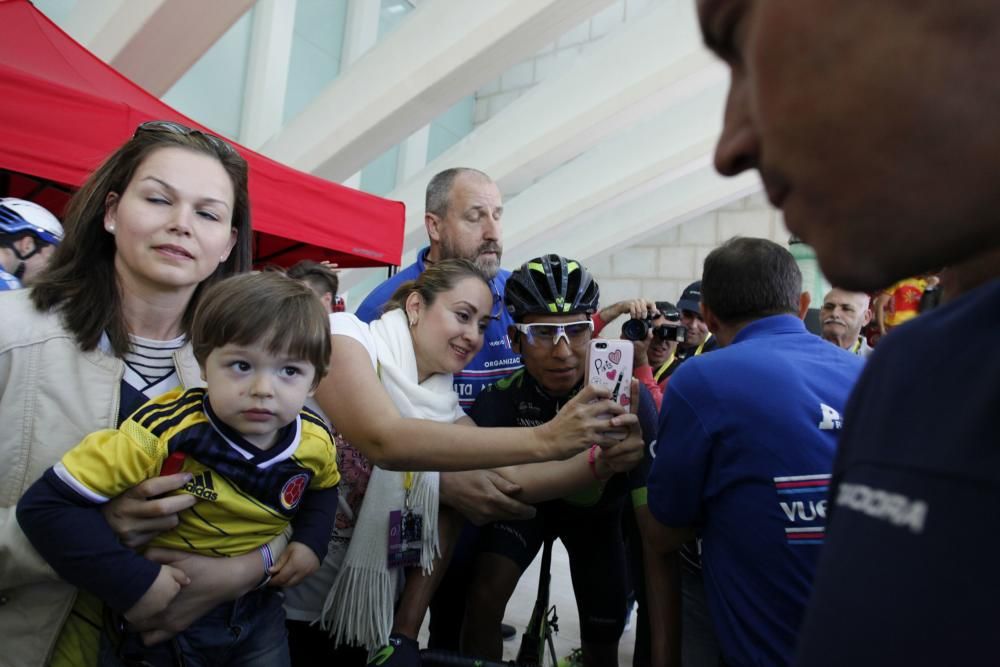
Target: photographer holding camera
[(655, 338)]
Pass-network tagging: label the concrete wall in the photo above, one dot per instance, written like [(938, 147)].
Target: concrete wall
[(555, 57), (660, 267)]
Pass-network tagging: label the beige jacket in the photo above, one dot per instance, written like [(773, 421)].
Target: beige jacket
[(51, 396)]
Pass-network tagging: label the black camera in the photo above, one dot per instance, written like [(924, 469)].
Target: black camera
[(636, 329)]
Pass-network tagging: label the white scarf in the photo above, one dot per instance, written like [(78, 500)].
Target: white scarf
[(359, 607)]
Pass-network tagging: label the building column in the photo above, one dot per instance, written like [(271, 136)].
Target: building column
[(267, 71)]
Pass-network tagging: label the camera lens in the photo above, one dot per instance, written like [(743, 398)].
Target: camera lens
[(670, 332), (635, 329)]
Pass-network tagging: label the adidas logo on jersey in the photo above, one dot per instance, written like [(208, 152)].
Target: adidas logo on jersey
[(201, 485)]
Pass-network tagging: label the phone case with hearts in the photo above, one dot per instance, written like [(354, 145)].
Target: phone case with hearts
[(609, 364)]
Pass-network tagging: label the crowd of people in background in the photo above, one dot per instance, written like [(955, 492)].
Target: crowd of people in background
[(206, 464)]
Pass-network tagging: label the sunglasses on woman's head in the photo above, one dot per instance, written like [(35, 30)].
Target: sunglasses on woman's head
[(178, 128)]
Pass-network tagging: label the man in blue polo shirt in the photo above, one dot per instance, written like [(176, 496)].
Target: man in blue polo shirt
[(746, 445)]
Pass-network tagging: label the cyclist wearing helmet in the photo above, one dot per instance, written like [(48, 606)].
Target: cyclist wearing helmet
[(551, 300), (28, 236)]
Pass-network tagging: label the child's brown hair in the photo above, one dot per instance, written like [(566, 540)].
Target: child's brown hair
[(270, 308)]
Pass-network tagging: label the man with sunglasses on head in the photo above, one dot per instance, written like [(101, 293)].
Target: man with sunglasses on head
[(551, 300)]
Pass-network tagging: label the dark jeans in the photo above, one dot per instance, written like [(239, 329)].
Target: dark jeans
[(699, 648), (247, 632)]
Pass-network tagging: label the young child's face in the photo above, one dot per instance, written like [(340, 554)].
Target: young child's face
[(256, 392)]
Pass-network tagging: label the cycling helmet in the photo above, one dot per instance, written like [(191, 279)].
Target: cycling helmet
[(18, 216), (550, 285)]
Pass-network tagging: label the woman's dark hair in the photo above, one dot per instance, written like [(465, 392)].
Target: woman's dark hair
[(81, 281), (436, 279)]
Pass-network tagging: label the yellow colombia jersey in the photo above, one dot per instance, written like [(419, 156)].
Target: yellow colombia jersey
[(248, 496)]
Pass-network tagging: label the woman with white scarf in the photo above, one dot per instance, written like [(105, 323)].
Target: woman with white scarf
[(390, 395)]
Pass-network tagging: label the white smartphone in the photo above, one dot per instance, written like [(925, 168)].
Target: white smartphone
[(609, 364)]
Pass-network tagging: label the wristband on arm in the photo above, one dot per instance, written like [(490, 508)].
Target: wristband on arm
[(592, 461), (268, 558)]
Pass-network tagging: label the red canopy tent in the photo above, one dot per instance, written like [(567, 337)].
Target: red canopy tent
[(63, 110)]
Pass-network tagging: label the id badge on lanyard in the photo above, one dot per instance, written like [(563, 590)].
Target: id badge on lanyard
[(406, 530)]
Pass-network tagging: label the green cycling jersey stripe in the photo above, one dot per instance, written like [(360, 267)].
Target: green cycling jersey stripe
[(383, 654), (514, 379)]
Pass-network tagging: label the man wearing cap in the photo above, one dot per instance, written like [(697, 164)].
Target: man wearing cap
[(699, 339), (843, 315)]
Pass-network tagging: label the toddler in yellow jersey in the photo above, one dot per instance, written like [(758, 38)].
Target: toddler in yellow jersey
[(258, 461)]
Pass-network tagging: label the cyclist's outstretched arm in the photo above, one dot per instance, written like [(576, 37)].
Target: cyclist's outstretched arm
[(557, 479)]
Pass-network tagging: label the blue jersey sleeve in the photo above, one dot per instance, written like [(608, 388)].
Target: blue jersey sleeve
[(682, 453), (72, 536), (371, 308)]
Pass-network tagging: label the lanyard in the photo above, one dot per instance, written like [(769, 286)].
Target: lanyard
[(702, 346), (857, 347), (663, 369), (408, 486)]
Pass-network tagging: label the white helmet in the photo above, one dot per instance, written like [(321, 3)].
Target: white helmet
[(18, 216)]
